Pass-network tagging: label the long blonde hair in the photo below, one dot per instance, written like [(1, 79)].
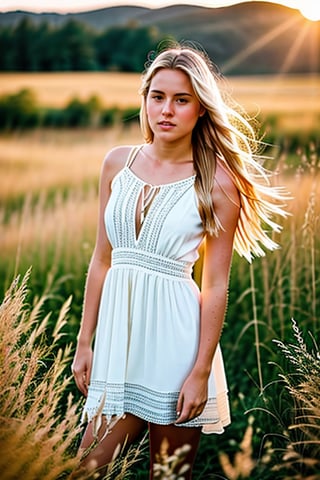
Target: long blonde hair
[(221, 133)]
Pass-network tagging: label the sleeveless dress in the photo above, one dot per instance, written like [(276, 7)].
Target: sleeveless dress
[(148, 326)]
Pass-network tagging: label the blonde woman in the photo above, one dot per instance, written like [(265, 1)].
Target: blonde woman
[(157, 362)]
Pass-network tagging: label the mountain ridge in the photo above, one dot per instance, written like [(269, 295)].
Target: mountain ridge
[(256, 37)]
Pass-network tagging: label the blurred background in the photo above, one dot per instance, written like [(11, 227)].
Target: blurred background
[(69, 92)]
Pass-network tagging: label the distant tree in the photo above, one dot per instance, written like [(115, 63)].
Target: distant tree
[(7, 60), (19, 110), (44, 47), (73, 48), (105, 45), (23, 46), (124, 48)]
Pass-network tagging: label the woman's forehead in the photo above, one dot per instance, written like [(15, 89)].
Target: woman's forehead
[(171, 79)]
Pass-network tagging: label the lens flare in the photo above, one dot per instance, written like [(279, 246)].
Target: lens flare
[(310, 9)]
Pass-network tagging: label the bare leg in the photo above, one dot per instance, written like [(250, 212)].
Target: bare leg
[(123, 433), (175, 437)]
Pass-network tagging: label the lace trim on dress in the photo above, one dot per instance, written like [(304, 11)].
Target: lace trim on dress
[(116, 400), (157, 264)]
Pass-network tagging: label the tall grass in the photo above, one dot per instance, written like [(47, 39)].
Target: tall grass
[(301, 457), (262, 300), (34, 438), (40, 427)]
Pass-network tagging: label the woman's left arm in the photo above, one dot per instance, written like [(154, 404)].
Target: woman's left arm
[(214, 293)]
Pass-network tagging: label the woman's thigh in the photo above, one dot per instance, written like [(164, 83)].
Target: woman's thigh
[(100, 450)]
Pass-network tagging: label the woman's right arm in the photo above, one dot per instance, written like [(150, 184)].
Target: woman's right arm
[(99, 265)]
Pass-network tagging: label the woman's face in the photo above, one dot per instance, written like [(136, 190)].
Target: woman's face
[(171, 106)]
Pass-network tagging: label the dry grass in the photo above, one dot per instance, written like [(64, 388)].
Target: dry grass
[(48, 196), (56, 89), (171, 467), (296, 97), (243, 462), (66, 229), (34, 443), (38, 443), (301, 459), (46, 159)]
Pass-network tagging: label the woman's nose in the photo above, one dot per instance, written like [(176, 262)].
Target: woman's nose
[(167, 108)]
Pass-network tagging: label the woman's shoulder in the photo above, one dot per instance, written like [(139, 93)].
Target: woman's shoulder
[(116, 159)]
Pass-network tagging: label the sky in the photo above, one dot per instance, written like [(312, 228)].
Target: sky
[(63, 6)]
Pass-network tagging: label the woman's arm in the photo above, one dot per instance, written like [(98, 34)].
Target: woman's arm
[(99, 265), (214, 293)]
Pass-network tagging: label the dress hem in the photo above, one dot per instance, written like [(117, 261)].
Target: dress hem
[(154, 407)]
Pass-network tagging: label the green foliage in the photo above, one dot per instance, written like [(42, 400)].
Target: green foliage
[(273, 138), (75, 47), (132, 44), (77, 113), (19, 110), (109, 117), (129, 116)]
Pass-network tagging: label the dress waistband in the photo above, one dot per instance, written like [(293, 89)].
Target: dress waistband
[(157, 264)]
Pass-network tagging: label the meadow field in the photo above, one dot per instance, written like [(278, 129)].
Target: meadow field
[(293, 97), (48, 213)]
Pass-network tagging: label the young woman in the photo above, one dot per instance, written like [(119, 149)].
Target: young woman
[(195, 181)]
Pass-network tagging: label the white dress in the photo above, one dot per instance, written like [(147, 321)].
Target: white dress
[(148, 326)]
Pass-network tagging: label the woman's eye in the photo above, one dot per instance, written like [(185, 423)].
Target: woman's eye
[(182, 100), (157, 97)]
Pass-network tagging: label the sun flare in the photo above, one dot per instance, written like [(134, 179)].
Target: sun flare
[(310, 9)]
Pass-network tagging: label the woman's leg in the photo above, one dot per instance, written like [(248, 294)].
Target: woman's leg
[(174, 437), (123, 434)]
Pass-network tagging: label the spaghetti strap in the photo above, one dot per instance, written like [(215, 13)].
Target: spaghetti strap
[(132, 155)]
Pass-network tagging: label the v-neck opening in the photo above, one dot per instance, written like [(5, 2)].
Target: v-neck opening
[(143, 205)]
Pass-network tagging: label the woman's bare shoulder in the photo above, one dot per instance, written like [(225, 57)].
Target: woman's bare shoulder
[(115, 160)]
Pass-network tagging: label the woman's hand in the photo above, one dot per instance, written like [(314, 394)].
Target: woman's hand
[(81, 368), (193, 397)]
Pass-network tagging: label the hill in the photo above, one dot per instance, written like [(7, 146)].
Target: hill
[(251, 38)]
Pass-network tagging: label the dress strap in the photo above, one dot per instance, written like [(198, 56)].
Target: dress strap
[(132, 155)]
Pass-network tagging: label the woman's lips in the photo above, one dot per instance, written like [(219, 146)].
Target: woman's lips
[(166, 125)]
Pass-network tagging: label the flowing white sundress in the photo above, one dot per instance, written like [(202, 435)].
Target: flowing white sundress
[(148, 327)]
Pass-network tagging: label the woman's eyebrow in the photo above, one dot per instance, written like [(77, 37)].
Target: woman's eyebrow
[(182, 94)]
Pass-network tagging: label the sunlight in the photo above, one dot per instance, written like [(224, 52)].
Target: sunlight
[(294, 50), (310, 9), (261, 42), (306, 32)]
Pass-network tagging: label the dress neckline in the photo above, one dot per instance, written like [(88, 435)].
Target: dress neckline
[(160, 185)]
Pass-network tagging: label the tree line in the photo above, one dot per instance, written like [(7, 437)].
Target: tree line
[(21, 111), (73, 46)]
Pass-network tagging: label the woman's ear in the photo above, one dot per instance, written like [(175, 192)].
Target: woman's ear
[(202, 111)]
